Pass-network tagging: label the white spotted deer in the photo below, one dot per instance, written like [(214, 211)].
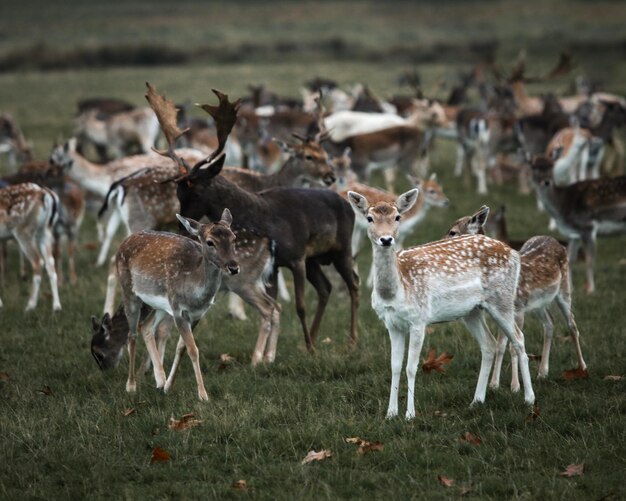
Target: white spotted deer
[(438, 282), (175, 276), (544, 280), (27, 214)]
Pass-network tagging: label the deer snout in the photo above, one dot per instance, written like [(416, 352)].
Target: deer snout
[(233, 267), (329, 179), (386, 241)]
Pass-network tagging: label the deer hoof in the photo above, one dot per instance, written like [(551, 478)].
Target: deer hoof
[(131, 387)]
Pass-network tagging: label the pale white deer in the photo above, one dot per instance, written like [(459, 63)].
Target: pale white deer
[(27, 214), (175, 276), (438, 282)]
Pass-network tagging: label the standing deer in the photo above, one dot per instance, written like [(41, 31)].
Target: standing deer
[(544, 279), (27, 213), (438, 282), (582, 210), (175, 276), (310, 228)]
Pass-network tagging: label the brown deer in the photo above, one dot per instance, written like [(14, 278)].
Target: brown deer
[(441, 281), (175, 276), (582, 210), (12, 142), (27, 213), (309, 227), (544, 280)]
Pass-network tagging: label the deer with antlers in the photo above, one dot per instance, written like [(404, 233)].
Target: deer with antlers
[(309, 227), (27, 213), (544, 280), (582, 211), (441, 281)]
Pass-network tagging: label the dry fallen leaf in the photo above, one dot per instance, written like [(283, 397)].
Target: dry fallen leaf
[(326, 340), (317, 456), (4, 376), (532, 356), (225, 361), (470, 438), (433, 363), (128, 412), (573, 470), (576, 374), (92, 246), (440, 414), (186, 422), (443, 480), (364, 446), (240, 485), (613, 378), (46, 390), (534, 414), (159, 455)]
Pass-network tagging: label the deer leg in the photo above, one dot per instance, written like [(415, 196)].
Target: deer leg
[(298, 270), (460, 160), (515, 386), (58, 263), (71, 251), (390, 179), (416, 341), (110, 230), (184, 328), (323, 287), (45, 248), (109, 301), (475, 323), (3, 261), (548, 332), (132, 309), (131, 383), (397, 358), (270, 351), (36, 262), (589, 243), (573, 246), (148, 332), (497, 366), (343, 265), (180, 349), (283, 292), (563, 300)]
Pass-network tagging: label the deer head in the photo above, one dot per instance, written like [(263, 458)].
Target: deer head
[(430, 189), (542, 172), (107, 343), (470, 225)]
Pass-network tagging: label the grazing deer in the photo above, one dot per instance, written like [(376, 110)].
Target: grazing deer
[(582, 210), (27, 213), (544, 279), (175, 276), (438, 282), (309, 227)]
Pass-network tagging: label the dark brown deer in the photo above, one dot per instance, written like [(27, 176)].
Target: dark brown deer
[(310, 227), (582, 210)]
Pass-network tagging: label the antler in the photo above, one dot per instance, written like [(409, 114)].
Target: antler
[(225, 116), (166, 113)]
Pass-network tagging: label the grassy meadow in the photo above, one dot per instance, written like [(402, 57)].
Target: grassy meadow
[(63, 432)]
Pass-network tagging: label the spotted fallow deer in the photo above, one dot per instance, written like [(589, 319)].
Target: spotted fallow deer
[(27, 213), (175, 276), (544, 279), (582, 210), (441, 281)]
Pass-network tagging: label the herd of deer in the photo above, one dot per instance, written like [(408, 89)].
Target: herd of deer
[(304, 205)]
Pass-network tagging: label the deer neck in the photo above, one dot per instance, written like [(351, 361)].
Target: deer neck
[(245, 206), (212, 276), (88, 175), (387, 282), (288, 175)]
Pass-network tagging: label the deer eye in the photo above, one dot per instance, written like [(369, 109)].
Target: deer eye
[(452, 233), (210, 243), (398, 217), (308, 157), (370, 219)]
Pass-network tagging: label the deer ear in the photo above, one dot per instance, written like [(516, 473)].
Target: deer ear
[(347, 152), (358, 202), (192, 226), (480, 218), (210, 170), (406, 200), (415, 181), (227, 218), (95, 323), (433, 177), (284, 146)]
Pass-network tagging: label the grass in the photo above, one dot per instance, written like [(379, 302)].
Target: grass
[(74, 442)]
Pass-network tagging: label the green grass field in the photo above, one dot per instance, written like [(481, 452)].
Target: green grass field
[(63, 434)]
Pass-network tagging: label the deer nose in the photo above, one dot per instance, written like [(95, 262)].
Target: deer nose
[(386, 241), (329, 179), (233, 268)]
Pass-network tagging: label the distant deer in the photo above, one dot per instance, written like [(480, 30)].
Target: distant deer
[(309, 227), (441, 281), (12, 142), (27, 213), (175, 276), (582, 210), (544, 279)]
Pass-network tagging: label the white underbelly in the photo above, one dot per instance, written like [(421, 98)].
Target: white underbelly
[(156, 302)]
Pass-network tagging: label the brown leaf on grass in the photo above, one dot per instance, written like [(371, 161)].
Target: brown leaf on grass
[(326, 340), (128, 412), (159, 455), (4, 376), (225, 361), (573, 470), (92, 246), (364, 446), (440, 414), (316, 456), (433, 363), (532, 356), (443, 480), (240, 485), (576, 374), (470, 438), (534, 414), (607, 378), (46, 390), (186, 422)]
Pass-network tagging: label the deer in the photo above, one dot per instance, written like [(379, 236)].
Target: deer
[(27, 214), (309, 227), (175, 276), (12, 142), (544, 280), (582, 211), (440, 281)]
